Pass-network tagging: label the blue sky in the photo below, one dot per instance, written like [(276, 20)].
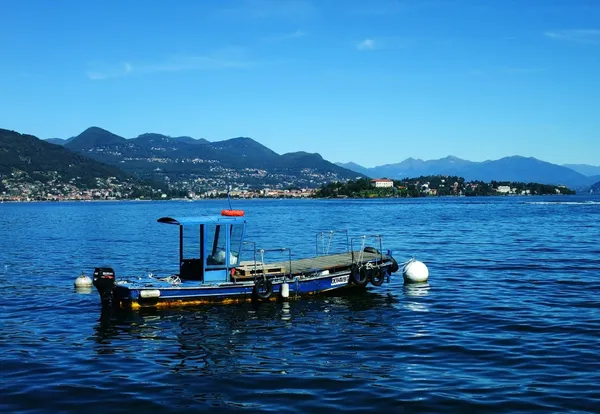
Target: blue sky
[(373, 81)]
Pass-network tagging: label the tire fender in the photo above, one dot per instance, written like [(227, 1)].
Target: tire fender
[(394, 267), (263, 289), (360, 276), (378, 276)]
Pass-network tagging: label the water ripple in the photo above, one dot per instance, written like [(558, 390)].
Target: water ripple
[(507, 323)]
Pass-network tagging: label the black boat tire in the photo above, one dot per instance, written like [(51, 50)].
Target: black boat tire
[(370, 249), (394, 267), (360, 276), (378, 276), (353, 273), (262, 284)]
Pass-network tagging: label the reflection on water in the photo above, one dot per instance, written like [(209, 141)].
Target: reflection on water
[(416, 290), (285, 311), (246, 339), (216, 320)]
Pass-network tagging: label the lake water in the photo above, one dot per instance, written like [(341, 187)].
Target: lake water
[(509, 321)]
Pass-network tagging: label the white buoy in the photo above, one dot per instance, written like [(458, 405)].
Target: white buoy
[(285, 290), (415, 272), (83, 281)]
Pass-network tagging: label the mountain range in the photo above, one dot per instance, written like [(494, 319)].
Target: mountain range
[(515, 168), (153, 155), (242, 160), (589, 170)]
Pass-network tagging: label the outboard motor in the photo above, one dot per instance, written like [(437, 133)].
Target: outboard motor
[(104, 280)]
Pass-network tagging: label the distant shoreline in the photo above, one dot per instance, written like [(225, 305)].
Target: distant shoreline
[(298, 198), (157, 199)]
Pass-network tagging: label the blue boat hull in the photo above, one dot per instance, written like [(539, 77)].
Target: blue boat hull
[(161, 294)]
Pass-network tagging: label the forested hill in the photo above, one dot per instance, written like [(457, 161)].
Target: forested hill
[(185, 159), (42, 160)]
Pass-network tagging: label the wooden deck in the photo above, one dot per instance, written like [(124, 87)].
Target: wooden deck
[(332, 262)]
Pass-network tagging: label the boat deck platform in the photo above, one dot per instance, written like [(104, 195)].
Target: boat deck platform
[(331, 262)]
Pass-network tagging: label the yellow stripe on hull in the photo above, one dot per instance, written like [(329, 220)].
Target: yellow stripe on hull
[(135, 305)]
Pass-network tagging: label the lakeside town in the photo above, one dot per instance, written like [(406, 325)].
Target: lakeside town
[(18, 187)]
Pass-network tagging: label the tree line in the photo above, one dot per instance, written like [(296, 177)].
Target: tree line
[(434, 185)]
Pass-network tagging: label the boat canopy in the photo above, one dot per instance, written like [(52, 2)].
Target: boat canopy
[(216, 249), (199, 220)]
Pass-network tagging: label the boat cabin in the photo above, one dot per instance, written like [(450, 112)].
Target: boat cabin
[(209, 246)]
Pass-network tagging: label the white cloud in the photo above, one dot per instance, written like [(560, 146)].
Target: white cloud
[(367, 44), (522, 70), (276, 9), (281, 37), (110, 71), (507, 70), (389, 7), (296, 34), (386, 42), (231, 58), (579, 35)]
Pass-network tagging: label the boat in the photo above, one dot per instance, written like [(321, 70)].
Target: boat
[(216, 273)]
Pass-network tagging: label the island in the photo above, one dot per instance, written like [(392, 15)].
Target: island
[(433, 186)]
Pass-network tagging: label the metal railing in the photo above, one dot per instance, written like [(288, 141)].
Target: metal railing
[(253, 251), (330, 233), (282, 250), (260, 265), (363, 245)]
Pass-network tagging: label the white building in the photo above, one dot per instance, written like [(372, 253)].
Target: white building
[(382, 183)]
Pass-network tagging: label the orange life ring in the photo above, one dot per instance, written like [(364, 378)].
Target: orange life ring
[(232, 213)]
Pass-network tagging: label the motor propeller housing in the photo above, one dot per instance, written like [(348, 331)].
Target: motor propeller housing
[(104, 281)]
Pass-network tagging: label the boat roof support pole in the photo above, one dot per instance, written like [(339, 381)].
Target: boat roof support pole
[(180, 247), (202, 248), (216, 239)]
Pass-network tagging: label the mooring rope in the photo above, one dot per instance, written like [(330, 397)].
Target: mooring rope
[(173, 279), (329, 242), (362, 249), (403, 265), (262, 260)]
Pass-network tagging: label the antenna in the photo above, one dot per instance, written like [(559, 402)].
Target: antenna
[(229, 198)]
